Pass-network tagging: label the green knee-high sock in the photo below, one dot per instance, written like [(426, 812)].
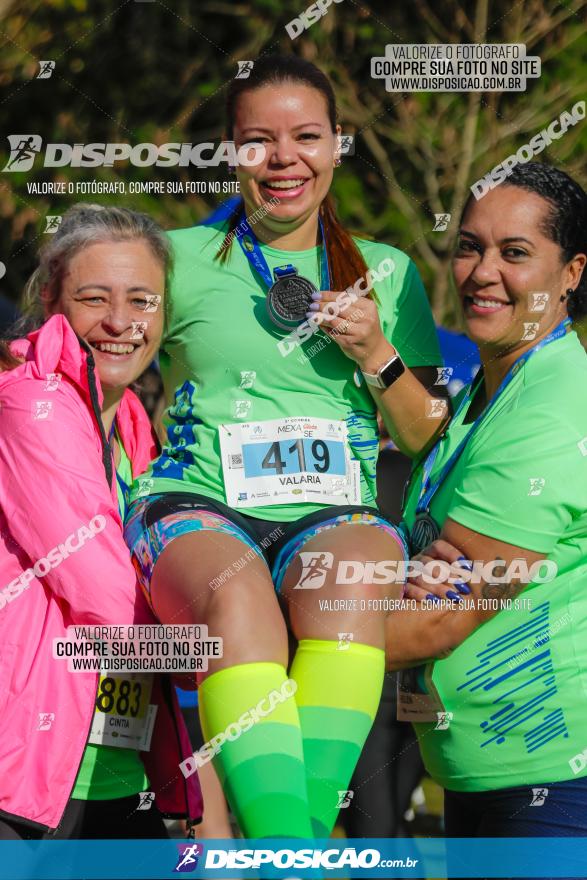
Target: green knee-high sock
[(261, 768), (338, 696)]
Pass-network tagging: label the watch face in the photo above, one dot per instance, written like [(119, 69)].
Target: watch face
[(392, 371)]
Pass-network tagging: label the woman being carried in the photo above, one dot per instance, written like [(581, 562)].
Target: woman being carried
[(267, 482)]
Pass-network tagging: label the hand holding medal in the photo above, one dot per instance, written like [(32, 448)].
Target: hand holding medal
[(289, 294), (289, 298), (354, 327)]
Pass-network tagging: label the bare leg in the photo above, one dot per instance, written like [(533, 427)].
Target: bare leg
[(260, 763), (360, 543), (243, 611)]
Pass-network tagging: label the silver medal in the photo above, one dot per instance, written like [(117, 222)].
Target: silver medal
[(288, 300), (424, 531)]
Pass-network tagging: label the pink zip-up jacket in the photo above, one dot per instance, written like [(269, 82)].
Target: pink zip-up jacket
[(56, 476)]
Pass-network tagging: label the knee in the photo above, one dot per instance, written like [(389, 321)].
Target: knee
[(355, 566), (240, 593)]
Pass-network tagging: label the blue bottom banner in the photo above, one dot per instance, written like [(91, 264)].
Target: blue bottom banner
[(289, 858)]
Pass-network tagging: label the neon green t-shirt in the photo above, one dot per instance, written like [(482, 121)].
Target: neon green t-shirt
[(221, 363), (517, 686), (107, 772)]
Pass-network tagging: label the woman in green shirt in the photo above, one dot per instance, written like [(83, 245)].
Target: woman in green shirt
[(500, 705), (267, 480)]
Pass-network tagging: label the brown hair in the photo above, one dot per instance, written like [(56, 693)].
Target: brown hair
[(7, 360), (346, 262)]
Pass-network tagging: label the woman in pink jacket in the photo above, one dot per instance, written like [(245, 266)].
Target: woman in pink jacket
[(73, 436)]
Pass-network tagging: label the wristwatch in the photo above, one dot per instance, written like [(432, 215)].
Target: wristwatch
[(387, 374)]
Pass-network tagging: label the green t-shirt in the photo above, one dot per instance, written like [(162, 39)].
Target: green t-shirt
[(517, 686), (221, 364), (107, 772)]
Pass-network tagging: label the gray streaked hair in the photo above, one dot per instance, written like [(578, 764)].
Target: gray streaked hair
[(82, 225)]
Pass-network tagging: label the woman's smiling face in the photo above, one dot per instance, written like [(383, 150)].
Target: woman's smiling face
[(291, 121), (510, 275), (112, 295)]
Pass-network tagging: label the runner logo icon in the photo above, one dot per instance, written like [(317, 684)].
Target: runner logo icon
[(344, 799), (314, 568), (444, 719), (539, 796), (23, 150), (46, 719), (188, 855), (441, 222), (244, 69), (146, 800), (46, 68)]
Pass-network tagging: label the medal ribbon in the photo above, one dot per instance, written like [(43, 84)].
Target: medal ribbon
[(429, 488), (257, 259)]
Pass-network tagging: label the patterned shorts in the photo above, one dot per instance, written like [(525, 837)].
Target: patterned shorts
[(154, 522)]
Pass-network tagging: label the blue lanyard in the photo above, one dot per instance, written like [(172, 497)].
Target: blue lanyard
[(429, 488), (250, 248)]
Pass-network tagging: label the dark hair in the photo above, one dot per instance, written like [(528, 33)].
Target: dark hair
[(346, 262), (274, 70), (566, 221)]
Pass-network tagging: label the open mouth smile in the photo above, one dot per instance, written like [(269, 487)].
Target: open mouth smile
[(116, 349), (284, 187), (483, 305)]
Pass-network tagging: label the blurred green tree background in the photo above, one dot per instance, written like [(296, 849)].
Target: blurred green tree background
[(157, 71)]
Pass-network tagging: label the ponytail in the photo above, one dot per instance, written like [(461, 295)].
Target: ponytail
[(233, 221), (345, 260)]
